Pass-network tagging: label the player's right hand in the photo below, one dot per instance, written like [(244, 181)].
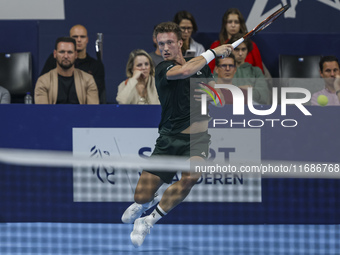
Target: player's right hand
[(223, 50)]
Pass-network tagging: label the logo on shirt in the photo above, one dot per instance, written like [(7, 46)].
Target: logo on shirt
[(168, 68)]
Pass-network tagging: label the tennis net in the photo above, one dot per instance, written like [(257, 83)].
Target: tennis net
[(59, 203)]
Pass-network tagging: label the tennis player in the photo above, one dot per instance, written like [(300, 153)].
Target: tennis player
[(179, 134)]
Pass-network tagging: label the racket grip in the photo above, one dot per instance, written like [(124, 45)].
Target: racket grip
[(238, 42)]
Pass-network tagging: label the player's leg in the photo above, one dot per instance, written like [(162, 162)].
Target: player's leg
[(145, 197), (172, 196), (178, 191), (195, 146), (147, 186)]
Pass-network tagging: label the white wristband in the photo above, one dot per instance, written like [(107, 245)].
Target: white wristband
[(208, 55)]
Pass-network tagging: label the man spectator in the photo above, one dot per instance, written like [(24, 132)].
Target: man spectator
[(84, 61), (155, 55), (225, 69), (66, 84), (329, 70)]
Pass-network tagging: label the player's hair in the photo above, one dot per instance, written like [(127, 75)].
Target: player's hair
[(65, 39), (181, 15), (223, 36), (168, 27), (232, 56), (327, 59), (247, 41), (131, 60)]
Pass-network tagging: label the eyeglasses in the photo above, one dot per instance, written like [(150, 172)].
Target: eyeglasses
[(186, 28), (224, 66)]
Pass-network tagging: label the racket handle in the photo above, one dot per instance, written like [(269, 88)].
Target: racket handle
[(238, 42)]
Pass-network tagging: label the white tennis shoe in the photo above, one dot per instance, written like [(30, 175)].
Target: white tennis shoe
[(140, 230), (135, 210)]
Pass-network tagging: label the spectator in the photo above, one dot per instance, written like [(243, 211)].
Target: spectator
[(329, 71), (225, 69), (233, 23), (139, 87), (5, 96), (188, 25), (155, 55), (248, 75), (84, 61), (66, 84)]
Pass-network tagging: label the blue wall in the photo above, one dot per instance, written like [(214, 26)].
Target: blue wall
[(45, 194), (128, 25)]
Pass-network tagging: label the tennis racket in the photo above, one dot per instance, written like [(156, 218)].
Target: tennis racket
[(262, 25)]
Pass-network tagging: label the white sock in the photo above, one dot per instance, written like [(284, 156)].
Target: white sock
[(155, 216)]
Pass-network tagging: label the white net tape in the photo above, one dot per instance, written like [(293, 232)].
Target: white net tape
[(265, 168)]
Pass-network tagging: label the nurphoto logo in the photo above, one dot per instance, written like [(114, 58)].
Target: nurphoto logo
[(239, 106)]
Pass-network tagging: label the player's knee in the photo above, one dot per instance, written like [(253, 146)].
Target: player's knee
[(187, 183), (142, 198), (139, 198)]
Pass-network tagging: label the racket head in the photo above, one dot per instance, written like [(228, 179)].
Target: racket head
[(267, 21)]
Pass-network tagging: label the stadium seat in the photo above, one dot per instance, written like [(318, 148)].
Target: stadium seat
[(16, 74)]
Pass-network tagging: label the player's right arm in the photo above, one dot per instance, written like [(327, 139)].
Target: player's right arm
[(194, 65)]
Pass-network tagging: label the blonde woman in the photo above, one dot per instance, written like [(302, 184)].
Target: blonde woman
[(139, 87)]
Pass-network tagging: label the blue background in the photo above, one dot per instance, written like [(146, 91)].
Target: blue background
[(36, 194)]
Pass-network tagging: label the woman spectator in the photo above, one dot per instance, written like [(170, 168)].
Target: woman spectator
[(188, 25), (139, 87), (233, 22)]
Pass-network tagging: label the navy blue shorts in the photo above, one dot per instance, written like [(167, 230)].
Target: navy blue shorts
[(186, 145)]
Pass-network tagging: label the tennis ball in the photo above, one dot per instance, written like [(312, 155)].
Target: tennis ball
[(322, 100)]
